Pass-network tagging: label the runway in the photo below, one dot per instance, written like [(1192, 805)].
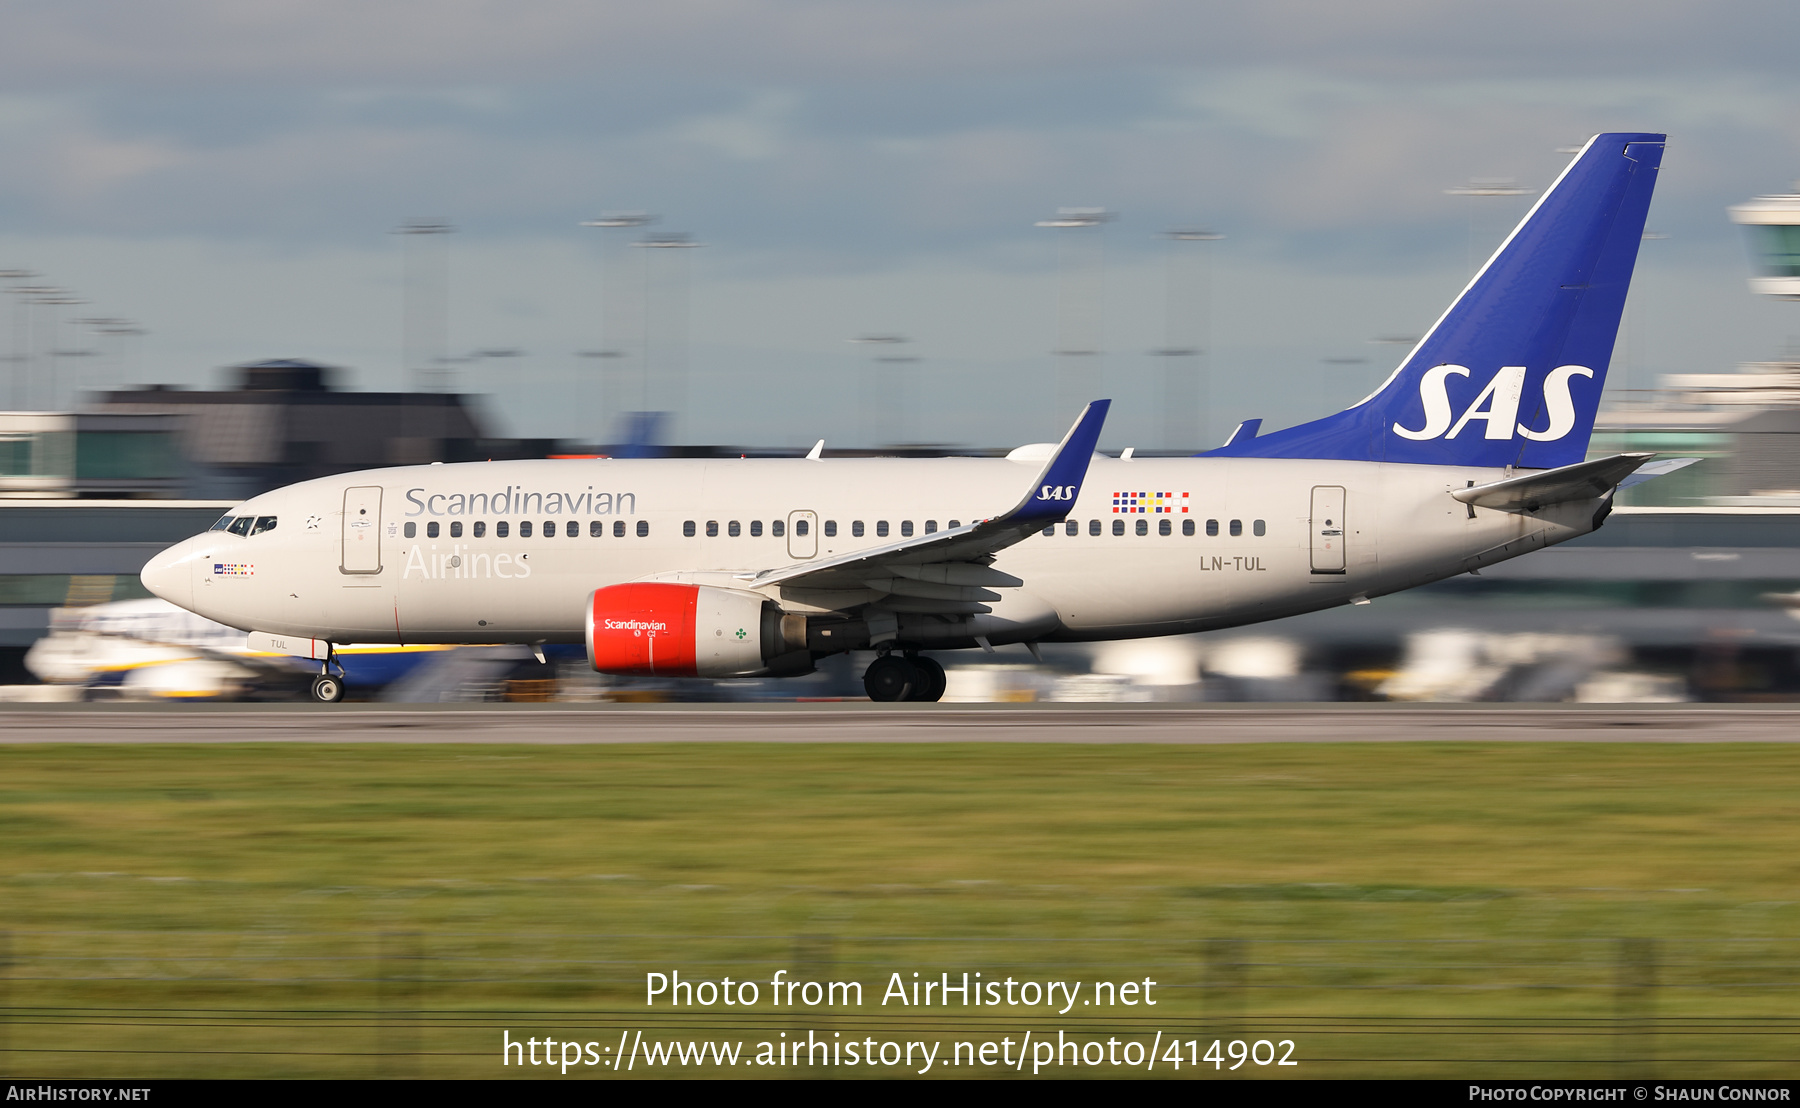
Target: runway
[(878, 723)]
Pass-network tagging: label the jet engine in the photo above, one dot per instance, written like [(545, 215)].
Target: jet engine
[(655, 629)]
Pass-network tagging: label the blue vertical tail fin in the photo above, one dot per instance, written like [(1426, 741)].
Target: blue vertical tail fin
[(1512, 373)]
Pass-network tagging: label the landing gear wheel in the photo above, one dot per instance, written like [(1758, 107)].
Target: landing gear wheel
[(327, 689), (931, 679), (891, 678)]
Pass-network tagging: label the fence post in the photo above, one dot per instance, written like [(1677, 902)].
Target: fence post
[(399, 971), (1223, 986), (1634, 997)]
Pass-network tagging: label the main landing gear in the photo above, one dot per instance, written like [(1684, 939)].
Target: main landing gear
[(894, 677), (327, 689)]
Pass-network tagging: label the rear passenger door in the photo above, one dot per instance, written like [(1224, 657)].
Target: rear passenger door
[(1328, 529)]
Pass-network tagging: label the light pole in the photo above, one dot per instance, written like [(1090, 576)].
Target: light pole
[(54, 303), (665, 330), (615, 329), (1187, 395), (425, 309), (1080, 307), (887, 387), (17, 360), (1485, 186)]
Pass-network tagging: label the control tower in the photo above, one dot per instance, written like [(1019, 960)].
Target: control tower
[(1774, 223)]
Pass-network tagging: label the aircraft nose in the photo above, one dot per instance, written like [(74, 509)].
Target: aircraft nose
[(170, 575)]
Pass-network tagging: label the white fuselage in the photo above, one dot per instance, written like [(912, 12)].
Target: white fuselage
[(1399, 528)]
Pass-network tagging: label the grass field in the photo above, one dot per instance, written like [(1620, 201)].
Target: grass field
[(1405, 909)]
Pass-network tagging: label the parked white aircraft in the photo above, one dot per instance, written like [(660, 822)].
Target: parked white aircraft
[(1469, 454)]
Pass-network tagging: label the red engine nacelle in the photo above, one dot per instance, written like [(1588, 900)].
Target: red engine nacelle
[(651, 629)]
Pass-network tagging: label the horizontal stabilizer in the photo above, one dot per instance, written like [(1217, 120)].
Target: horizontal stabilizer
[(1657, 469), (1531, 491)]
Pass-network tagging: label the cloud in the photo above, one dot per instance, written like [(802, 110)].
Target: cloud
[(454, 41)]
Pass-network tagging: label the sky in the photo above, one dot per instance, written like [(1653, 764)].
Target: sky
[(229, 177)]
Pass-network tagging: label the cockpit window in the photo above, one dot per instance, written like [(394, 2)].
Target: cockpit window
[(263, 523), (224, 522), (241, 525)]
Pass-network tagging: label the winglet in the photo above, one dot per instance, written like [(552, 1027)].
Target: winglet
[(817, 452), (1054, 492)]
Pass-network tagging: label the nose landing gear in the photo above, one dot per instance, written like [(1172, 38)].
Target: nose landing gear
[(894, 677)]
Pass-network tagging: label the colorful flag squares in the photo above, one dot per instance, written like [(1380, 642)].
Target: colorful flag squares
[(1149, 503)]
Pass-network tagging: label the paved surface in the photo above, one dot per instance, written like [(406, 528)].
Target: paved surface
[(869, 723)]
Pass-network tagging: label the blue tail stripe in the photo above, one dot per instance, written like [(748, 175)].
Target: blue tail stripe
[(1512, 373)]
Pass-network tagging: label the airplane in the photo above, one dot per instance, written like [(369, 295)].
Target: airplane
[(150, 649), (1472, 452)]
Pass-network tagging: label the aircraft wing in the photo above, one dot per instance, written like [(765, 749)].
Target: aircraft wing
[(949, 571), (1531, 491)]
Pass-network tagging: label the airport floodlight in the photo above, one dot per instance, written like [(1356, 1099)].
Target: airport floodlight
[(1489, 186), (621, 219), (425, 227), (1079, 217)]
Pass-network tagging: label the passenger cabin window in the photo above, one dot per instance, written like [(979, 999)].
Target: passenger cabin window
[(734, 529), (618, 528), (881, 529), (1237, 528), (954, 524), (263, 523), (596, 528), (456, 529), (1257, 529), (1143, 527), (831, 528), (1212, 527), (500, 529), (687, 529), (906, 528), (572, 530), (1187, 527), (712, 528), (1071, 528), (480, 528), (241, 525), (801, 527), (1165, 527), (1050, 530), (411, 531), (1118, 527), (756, 528), (777, 528), (224, 523), (643, 529), (431, 530), (549, 528), (930, 526), (856, 528), (525, 528)]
